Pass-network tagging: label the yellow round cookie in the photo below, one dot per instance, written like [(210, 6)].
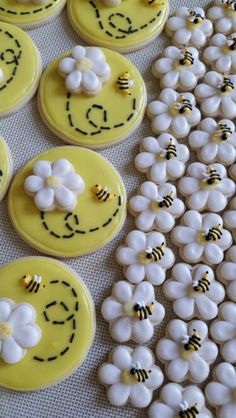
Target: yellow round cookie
[(94, 121), (123, 25), (97, 217), (30, 13), (64, 321), (5, 167), (20, 68)]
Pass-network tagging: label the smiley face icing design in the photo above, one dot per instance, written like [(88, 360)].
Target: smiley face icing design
[(47, 323), (5, 168), (206, 187), (226, 273), (104, 85), (117, 24), (20, 68), (30, 14), (201, 238), (177, 401), (223, 15), (75, 199)]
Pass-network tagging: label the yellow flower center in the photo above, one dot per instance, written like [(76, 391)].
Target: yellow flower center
[(83, 64), (5, 330), (53, 181)]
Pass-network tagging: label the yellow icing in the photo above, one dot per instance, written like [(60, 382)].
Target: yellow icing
[(53, 103), (21, 68), (143, 20), (94, 169), (28, 15), (30, 374), (5, 167)]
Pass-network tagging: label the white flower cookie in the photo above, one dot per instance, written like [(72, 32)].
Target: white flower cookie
[(179, 69), (206, 187), (156, 207), (194, 291), (223, 15), (226, 273), (162, 158), (186, 351), (189, 27), (177, 401), (131, 375), (217, 95), (223, 331), (85, 70), (214, 141), (173, 112), (220, 393), (221, 54), (145, 256), (232, 171), (201, 238), (132, 312), (230, 218), (18, 330)]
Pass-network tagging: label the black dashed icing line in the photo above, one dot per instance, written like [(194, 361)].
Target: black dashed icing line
[(13, 12), (16, 58)]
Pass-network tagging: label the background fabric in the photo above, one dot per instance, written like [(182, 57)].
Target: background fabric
[(80, 395)]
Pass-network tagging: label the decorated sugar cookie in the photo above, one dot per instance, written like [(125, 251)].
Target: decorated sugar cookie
[(104, 85), (222, 14), (214, 141), (186, 351), (47, 323), (194, 291), (226, 273), (189, 27), (173, 112), (206, 187), (217, 95), (67, 201), (5, 167), (20, 68), (132, 312), (177, 401), (221, 54), (201, 237), (29, 14), (179, 69), (220, 392), (223, 331), (116, 24), (130, 375), (162, 158), (156, 207), (145, 256), (230, 218), (232, 171)]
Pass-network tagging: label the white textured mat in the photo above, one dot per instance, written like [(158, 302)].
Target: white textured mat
[(80, 395)]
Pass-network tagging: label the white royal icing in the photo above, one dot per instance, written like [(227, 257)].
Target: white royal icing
[(1, 75), (189, 27), (232, 171), (206, 187), (18, 330), (179, 68), (202, 237), (221, 54), (194, 291), (54, 185), (217, 95), (223, 15), (214, 141), (162, 158), (132, 312), (131, 375), (221, 392), (85, 70), (145, 256), (226, 273), (223, 331), (112, 3), (187, 351), (176, 401), (230, 218), (173, 112), (156, 207)]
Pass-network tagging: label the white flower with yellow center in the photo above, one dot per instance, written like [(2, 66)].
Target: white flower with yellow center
[(226, 273), (187, 351), (18, 330), (223, 15), (85, 70), (221, 54), (54, 185)]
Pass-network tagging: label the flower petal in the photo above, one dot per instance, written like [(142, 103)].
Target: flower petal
[(155, 273), (42, 169), (90, 82), (136, 240), (111, 309), (142, 331), (206, 308), (118, 394), (109, 374), (73, 81), (135, 273), (78, 52), (184, 308), (6, 306), (122, 358), (22, 314), (61, 167), (27, 336), (123, 291), (140, 395), (145, 292), (155, 379), (198, 369), (167, 350), (66, 65), (65, 198), (144, 356), (177, 370), (121, 329), (74, 182), (33, 184), (11, 351)]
